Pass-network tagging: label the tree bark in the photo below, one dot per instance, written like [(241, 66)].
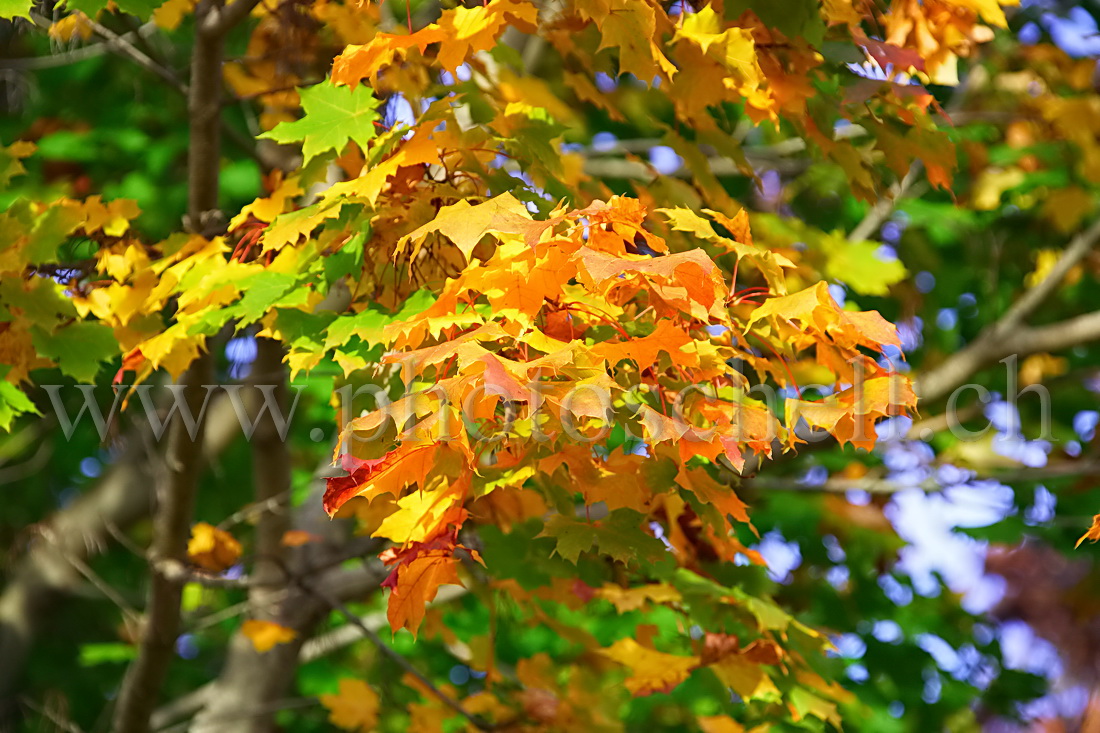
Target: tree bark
[(171, 529)]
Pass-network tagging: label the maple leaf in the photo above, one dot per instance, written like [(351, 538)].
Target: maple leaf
[(473, 29), (806, 703), (720, 724), (466, 224), (1093, 534), (386, 475), (710, 491), (211, 548), (365, 61), (288, 228), (264, 635), (415, 583), (78, 348), (13, 402), (266, 209), (10, 9), (632, 599), (631, 26), (423, 514), (746, 678), (889, 55), (333, 116), (620, 536), (11, 157), (859, 265), (169, 15), (354, 707), (113, 217), (650, 670), (421, 149), (299, 537), (733, 47), (990, 10)]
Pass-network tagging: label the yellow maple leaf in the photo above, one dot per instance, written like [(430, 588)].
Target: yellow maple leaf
[(748, 680), (418, 150), (266, 209), (650, 670), (992, 183), (113, 217), (422, 514), (264, 635), (211, 548), (71, 27), (1038, 367), (630, 26), (365, 61), (1066, 207), (476, 29), (631, 599), (169, 15), (1045, 261), (734, 48), (466, 224), (989, 10), (354, 707)]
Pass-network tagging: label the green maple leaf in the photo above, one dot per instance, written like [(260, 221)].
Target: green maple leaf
[(15, 9), (572, 537), (13, 402), (78, 348), (618, 536), (333, 115)]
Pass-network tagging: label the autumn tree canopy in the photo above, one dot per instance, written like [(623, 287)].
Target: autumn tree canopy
[(547, 365)]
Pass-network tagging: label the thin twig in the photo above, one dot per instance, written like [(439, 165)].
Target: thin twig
[(396, 657), (63, 723), (342, 636), (287, 704), (256, 510), (1080, 246), (884, 207), (120, 537), (92, 577), (122, 45), (29, 467), (880, 486), (34, 63), (1007, 335)]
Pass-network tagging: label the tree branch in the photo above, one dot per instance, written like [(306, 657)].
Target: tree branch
[(1026, 305), (350, 633), (884, 207), (221, 20), (112, 41), (1008, 335), (252, 679), (397, 658), (123, 46), (879, 486)]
